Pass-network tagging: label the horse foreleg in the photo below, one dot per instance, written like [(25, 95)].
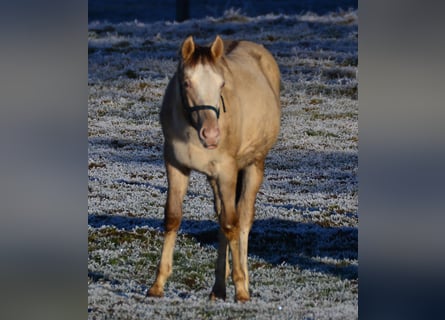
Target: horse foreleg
[(177, 187), (229, 221), (251, 182), (222, 269)]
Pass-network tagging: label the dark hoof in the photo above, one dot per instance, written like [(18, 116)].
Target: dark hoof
[(217, 295)]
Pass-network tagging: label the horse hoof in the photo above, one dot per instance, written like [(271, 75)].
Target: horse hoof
[(155, 293), (215, 296), (242, 298)]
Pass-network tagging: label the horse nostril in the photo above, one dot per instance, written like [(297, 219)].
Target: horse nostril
[(203, 133), (209, 133)]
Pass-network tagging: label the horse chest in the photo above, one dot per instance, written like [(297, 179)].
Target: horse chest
[(197, 158)]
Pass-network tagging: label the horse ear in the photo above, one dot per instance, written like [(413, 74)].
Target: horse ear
[(217, 48), (187, 48)]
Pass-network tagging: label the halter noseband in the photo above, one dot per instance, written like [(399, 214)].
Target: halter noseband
[(189, 110)]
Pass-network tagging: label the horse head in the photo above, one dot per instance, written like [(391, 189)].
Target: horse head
[(201, 83)]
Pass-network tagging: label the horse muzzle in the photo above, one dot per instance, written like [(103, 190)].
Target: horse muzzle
[(207, 127), (208, 131), (209, 135)]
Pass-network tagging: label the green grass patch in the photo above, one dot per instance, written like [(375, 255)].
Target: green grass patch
[(319, 133), (338, 73), (333, 116), (315, 101)]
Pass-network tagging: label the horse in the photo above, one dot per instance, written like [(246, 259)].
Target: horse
[(220, 116)]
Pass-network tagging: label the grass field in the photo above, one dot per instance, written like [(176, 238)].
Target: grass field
[(303, 255)]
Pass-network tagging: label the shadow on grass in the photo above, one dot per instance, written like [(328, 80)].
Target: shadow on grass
[(276, 241)]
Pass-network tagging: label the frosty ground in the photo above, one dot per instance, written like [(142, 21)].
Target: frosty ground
[(303, 258)]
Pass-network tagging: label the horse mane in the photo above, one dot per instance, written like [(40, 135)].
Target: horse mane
[(229, 46)]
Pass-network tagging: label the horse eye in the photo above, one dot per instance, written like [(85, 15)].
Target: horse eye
[(186, 83), (223, 84)]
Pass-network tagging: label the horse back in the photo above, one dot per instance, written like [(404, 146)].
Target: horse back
[(262, 57)]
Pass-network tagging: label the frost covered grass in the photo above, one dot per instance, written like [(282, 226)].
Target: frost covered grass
[(303, 258)]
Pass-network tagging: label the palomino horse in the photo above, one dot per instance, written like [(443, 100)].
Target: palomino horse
[(220, 116)]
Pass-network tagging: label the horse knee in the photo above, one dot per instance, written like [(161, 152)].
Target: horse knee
[(172, 223), (230, 229)]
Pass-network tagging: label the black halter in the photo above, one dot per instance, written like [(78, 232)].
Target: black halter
[(206, 107), (189, 109)]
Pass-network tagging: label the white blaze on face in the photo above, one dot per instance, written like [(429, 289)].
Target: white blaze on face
[(205, 85), (204, 88)]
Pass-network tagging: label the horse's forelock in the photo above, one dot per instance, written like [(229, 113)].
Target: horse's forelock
[(201, 55)]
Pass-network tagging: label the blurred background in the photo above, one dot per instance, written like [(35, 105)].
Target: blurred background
[(155, 10)]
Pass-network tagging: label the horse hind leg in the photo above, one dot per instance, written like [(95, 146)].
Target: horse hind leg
[(216, 197), (222, 270)]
